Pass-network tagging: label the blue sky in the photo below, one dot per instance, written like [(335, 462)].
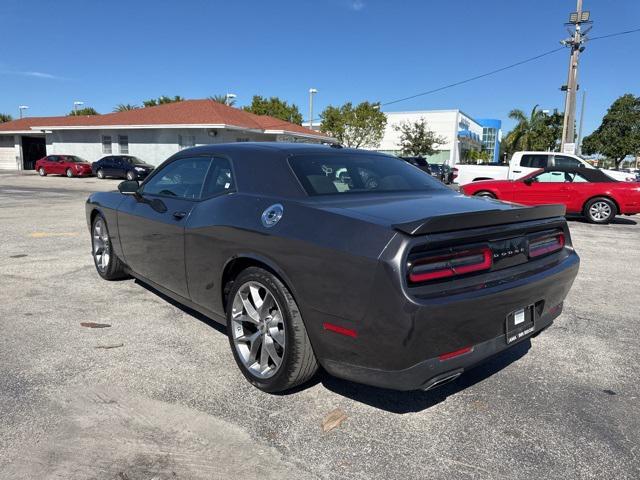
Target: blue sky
[(110, 52)]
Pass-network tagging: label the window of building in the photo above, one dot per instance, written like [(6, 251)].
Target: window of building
[(123, 143), (242, 139), (106, 144), (186, 141)]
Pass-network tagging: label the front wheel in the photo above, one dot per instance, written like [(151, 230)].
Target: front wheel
[(600, 210), (130, 175), (42, 172), (267, 336), (107, 264), (69, 173), (485, 194)]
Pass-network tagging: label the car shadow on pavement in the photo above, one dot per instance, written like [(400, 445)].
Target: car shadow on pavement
[(393, 401), (615, 221), (415, 401), (189, 311)]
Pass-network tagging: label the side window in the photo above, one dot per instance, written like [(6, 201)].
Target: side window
[(181, 178), (534, 161), (106, 144), (554, 177), (220, 178), (52, 158), (566, 162), (579, 179)]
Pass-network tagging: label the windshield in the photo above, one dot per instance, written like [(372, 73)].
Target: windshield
[(326, 174), (74, 159)]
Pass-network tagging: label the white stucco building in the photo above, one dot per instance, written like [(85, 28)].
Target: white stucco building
[(153, 134)]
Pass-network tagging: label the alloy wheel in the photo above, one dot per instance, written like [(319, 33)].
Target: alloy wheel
[(258, 329), (101, 245), (600, 211), (69, 173), (42, 172), (100, 174)]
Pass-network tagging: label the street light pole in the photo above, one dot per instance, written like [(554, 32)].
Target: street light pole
[(575, 42), (229, 96), (22, 108), (76, 104), (312, 92)]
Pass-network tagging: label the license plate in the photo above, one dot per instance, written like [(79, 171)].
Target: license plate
[(519, 324)]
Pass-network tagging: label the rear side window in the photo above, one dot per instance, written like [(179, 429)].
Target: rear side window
[(181, 178), (326, 174), (566, 162), (534, 161), (220, 178)]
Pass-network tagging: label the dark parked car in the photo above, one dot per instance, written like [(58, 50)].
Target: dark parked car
[(419, 162), (69, 165), (442, 172), (400, 283), (121, 166)]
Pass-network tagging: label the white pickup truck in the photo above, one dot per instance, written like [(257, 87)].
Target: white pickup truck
[(523, 163)]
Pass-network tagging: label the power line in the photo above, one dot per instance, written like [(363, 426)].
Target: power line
[(614, 34), (471, 79)]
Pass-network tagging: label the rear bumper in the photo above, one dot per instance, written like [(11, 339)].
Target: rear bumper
[(400, 340)]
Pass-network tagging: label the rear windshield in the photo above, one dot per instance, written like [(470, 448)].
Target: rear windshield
[(343, 174)]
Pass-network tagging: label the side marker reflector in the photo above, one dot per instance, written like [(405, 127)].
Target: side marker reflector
[(338, 329), (456, 353)]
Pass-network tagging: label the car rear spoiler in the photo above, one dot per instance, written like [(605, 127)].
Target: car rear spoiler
[(487, 218)]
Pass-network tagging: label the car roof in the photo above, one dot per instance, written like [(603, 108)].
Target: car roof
[(284, 147), (590, 174)]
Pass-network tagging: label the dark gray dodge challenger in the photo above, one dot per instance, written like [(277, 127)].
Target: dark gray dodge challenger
[(351, 260)]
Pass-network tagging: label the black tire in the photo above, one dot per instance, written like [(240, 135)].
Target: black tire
[(100, 174), (484, 193), (42, 172), (600, 210), (69, 173), (130, 175), (298, 360), (114, 268)]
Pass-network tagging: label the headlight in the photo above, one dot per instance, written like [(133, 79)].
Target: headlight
[(139, 169)]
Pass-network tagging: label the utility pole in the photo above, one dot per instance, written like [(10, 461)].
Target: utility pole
[(312, 92), (579, 140), (575, 43)]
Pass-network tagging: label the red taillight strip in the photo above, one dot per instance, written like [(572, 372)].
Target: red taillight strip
[(456, 353), (449, 269), (549, 244), (341, 330)]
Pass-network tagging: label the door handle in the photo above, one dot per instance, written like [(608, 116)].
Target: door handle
[(179, 215), (517, 171)]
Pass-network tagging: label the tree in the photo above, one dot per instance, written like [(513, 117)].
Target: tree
[(83, 111), (219, 98), (152, 102), (619, 133), (359, 126), (416, 140), (538, 132), (274, 107), (124, 107), (5, 117)]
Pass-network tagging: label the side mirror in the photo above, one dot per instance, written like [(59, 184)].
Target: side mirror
[(529, 181), (129, 187)]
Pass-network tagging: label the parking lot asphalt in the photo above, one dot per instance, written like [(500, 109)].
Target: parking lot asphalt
[(157, 395)]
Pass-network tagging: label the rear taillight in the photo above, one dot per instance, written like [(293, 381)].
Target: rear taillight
[(545, 245), (450, 265), (455, 173)]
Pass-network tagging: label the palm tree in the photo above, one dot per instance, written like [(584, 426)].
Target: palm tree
[(223, 99), (524, 134), (123, 107), (5, 117)]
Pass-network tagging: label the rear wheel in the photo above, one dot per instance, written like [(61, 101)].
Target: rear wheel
[(108, 265), (69, 173), (100, 174), (42, 172), (484, 193), (600, 210), (267, 336)]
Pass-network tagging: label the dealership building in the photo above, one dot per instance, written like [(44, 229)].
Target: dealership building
[(153, 134)]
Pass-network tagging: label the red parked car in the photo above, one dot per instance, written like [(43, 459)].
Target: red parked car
[(584, 191), (68, 165)]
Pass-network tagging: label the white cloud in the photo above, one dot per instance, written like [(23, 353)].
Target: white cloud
[(356, 5), (44, 75)]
